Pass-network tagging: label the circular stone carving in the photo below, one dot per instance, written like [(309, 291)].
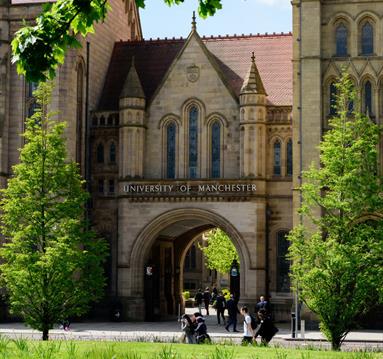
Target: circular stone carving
[(192, 73)]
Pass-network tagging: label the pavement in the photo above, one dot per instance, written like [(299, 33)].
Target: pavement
[(170, 331)]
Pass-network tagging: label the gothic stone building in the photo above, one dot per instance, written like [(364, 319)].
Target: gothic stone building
[(178, 136)]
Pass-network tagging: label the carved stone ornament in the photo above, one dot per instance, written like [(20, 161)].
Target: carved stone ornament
[(192, 73)]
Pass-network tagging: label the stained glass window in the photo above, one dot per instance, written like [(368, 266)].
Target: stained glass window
[(193, 142), (216, 150), (277, 158), (100, 153), (367, 39), (368, 97), (283, 265), (112, 153), (333, 93), (289, 156), (341, 40), (171, 151)]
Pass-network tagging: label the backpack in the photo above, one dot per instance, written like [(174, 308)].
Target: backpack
[(253, 323)]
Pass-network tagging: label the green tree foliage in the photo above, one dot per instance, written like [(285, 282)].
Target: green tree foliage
[(219, 251), (51, 264), (338, 261), (40, 48)]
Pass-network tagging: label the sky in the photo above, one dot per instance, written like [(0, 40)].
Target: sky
[(235, 17)]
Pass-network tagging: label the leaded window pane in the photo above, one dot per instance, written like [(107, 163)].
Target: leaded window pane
[(333, 93), (289, 164), (367, 39), (368, 97), (100, 153), (216, 150), (112, 153), (277, 158), (283, 265), (193, 142), (341, 40), (171, 151)]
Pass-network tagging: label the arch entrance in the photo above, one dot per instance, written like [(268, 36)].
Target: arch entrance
[(155, 266)]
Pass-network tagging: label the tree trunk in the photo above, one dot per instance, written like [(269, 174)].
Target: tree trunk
[(45, 334), (335, 344)]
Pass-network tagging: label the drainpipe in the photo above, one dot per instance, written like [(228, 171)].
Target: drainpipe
[(87, 131)]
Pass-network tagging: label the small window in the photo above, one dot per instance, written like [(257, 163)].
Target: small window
[(368, 98), (289, 158), (100, 153), (283, 264), (333, 93), (367, 39), (277, 158), (100, 186), (112, 153), (216, 150), (111, 186), (341, 40)]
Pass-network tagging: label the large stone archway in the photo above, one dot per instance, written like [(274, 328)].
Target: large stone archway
[(245, 230)]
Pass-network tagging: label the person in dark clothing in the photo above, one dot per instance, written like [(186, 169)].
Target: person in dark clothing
[(220, 305), (206, 299), (263, 304), (266, 329), (198, 300), (188, 329), (201, 335), (214, 294), (232, 311)]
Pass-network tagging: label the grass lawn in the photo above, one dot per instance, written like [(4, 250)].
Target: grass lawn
[(125, 350)]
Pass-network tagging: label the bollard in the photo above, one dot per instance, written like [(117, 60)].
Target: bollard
[(302, 329), (293, 319)]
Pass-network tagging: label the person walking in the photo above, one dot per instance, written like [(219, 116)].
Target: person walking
[(198, 300), (266, 329), (188, 329), (207, 299), (220, 306), (248, 332), (232, 311)]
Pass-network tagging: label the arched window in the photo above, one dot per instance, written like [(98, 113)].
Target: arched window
[(112, 153), (283, 265), (216, 150), (277, 158), (333, 93), (367, 39), (171, 151), (79, 112), (367, 97), (341, 40), (100, 153), (190, 259), (289, 158), (193, 142)]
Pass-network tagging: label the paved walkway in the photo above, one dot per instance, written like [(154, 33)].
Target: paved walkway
[(170, 331)]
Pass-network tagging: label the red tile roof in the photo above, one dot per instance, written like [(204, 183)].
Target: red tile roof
[(232, 53)]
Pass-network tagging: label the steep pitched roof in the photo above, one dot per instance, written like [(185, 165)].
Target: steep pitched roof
[(232, 54), (132, 86), (253, 81)]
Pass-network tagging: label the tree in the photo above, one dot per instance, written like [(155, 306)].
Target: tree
[(337, 259), (40, 48), (219, 251), (51, 264)]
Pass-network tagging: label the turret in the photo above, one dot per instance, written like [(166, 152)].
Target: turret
[(253, 124), (132, 129)]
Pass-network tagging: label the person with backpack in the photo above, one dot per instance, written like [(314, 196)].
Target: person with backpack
[(248, 327), (207, 299), (198, 300), (266, 330), (220, 305)]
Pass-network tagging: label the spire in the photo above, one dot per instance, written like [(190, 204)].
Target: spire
[(194, 23), (132, 86), (253, 81)]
